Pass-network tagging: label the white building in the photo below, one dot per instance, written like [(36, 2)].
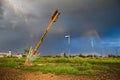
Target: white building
[(4, 54)]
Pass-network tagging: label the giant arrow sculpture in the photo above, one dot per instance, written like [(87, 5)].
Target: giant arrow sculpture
[(33, 52)]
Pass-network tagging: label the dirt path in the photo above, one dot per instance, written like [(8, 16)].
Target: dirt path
[(15, 74)]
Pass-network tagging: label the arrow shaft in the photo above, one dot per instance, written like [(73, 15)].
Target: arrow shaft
[(44, 34)]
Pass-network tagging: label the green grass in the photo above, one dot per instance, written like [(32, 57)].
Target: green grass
[(59, 69), (11, 62), (72, 66), (79, 60)]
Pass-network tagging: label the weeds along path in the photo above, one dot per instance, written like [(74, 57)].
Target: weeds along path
[(16, 74)]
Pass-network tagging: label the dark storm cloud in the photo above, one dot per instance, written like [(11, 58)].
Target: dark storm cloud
[(97, 14), (24, 24), (1, 10)]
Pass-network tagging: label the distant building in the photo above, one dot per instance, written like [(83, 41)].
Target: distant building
[(10, 54), (63, 55), (4, 54), (17, 55)]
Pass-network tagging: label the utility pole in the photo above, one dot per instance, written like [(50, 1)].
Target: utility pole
[(92, 45), (68, 37)]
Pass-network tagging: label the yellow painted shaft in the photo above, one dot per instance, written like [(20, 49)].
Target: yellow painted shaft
[(44, 34)]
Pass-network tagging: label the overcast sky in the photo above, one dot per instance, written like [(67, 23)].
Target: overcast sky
[(22, 23)]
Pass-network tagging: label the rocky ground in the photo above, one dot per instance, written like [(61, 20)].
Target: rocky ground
[(15, 74)]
